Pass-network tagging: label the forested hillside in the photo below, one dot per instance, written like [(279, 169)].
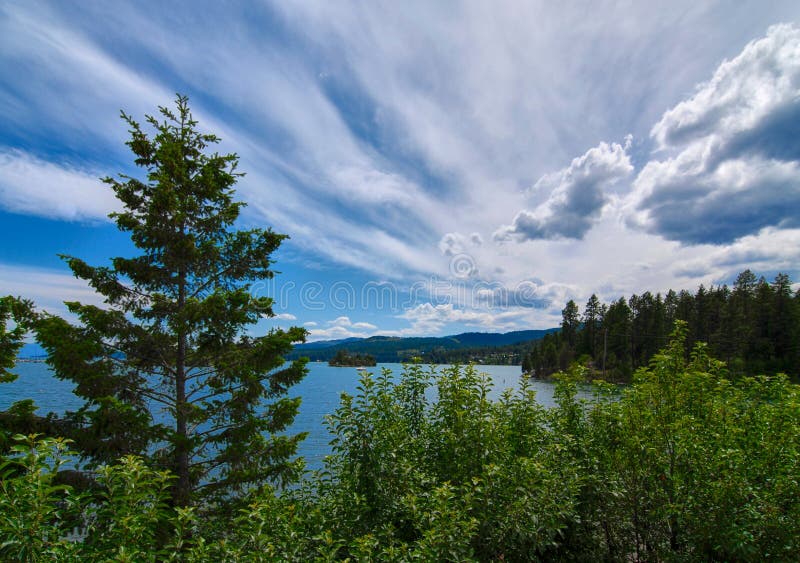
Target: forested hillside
[(753, 326), (457, 348), (508, 355)]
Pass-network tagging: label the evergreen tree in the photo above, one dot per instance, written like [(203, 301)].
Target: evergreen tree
[(527, 362), (761, 350), (671, 302), (719, 337), (785, 325), (617, 324), (592, 316), (570, 323), (168, 367), (738, 321), (700, 330), (685, 309)]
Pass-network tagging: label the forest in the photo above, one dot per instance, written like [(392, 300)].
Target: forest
[(754, 326)]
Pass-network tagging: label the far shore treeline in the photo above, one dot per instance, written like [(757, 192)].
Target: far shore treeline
[(343, 358), (753, 326), (479, 347)]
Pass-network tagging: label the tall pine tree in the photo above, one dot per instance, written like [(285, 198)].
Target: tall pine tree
[(169, 367)]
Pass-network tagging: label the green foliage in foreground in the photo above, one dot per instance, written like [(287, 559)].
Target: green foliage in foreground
[(682, 465)]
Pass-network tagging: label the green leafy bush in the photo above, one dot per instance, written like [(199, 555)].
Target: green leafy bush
[(682, 465)]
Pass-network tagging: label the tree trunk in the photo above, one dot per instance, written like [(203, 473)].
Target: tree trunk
[(183, 487), (181, 497)]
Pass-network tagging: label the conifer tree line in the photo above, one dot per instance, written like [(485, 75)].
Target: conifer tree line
[(753, 326)]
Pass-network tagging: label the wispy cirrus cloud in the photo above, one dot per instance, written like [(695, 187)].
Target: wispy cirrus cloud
[(291, 137), (389, 140), (66, 89), (47, 288), (32, 186)]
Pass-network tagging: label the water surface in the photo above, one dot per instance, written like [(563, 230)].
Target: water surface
[(320, 392)]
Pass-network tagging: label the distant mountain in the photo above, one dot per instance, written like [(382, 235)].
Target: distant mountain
[(391, 348), (325, 343), (400, 349), (469, 339)]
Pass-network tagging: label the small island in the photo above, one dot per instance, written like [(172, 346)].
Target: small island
[(343, 358)]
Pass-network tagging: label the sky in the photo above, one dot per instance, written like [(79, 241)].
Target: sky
[(440, 167)]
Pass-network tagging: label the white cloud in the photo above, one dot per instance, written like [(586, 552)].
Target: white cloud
[(427, 318), (453, 244), (769, 250), (32, 186), (341, 327), (742, 96), (47, 288), (575, 196), (334, 333), (737, 167), (285, 317), (345, 322), (682, 201)]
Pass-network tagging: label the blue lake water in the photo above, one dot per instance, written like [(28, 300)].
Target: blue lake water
[(320, 392)]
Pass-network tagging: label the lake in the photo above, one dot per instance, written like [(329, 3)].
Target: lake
[(320, 391)]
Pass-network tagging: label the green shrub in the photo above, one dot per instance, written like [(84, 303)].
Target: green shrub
[(683, 465)]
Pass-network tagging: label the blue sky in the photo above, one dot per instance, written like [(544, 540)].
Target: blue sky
[(440, 167)]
